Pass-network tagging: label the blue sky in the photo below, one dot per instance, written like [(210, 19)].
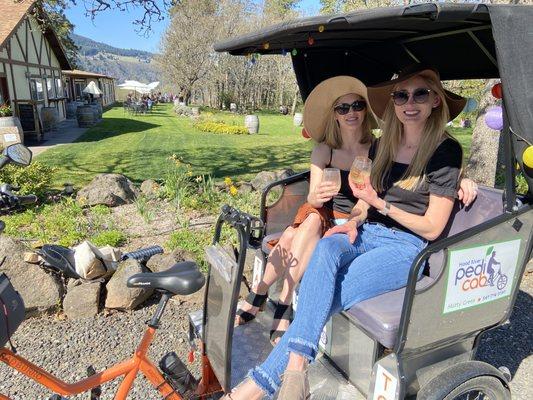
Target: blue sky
[(116, 28)]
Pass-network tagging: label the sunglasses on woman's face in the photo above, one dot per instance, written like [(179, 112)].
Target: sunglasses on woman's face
[(420, 96), (344, 108)]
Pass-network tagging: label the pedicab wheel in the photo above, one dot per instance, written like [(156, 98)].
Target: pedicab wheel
[(470, 380), (480, 388), (502, 281)]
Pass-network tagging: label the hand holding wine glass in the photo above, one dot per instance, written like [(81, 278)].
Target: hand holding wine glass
[(329, 186)]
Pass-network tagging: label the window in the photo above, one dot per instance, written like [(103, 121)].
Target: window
[(59, 88), (37, 92), (78, 87), (50, 91)]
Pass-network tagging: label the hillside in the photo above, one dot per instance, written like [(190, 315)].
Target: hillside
[(120, 64)]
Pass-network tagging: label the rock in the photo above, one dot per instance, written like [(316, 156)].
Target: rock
[(118, 294), (109, 189), (161, 262), (245, 187), (265, 178), (41, 291), (149, 187), (82, 301)]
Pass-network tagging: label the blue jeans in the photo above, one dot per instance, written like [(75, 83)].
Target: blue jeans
[(339, 275)]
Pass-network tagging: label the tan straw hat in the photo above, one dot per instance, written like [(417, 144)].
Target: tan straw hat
[(320, 101), (379, 95)]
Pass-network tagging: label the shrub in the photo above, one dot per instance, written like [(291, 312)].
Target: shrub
[(33, 179), (113, 238), (183, 110), (221, 127), (5, 110)]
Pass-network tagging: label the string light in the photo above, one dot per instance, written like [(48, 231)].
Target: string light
[(266, 46), (294, 52), (321, 28), (310, 40)]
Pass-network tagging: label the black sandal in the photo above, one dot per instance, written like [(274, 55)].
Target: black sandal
[(283, 312), (255, 300)]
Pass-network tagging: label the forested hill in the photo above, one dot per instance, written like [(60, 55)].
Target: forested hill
[(120, 64)]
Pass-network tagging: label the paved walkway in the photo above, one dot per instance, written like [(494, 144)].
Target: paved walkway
[(67, 131)]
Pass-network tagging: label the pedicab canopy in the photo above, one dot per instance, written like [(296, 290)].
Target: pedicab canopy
[(463, 41)]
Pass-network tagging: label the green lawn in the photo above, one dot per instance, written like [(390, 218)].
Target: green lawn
[(139, 146)]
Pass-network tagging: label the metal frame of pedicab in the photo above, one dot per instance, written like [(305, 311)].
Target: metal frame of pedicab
[(432, 352)]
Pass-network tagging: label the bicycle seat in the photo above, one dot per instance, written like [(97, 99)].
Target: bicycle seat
[(60, 259), (182, 278)]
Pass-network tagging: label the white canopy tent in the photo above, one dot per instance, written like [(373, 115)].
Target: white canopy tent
[(135, 86), (93, 89)]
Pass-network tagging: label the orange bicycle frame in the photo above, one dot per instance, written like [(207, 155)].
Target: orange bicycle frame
[(128, 368)]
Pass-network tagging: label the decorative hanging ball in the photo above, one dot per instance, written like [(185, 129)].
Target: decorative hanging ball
[(471, 105), (321, 28), (266, 46), (497, 90), (527, 156), (294, 52), (305, 134), (310, 40), (494, 118), (283, 52)]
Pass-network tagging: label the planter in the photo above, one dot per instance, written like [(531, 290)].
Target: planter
[(49, 118), (10, 131), (298, 119), (252, 123), (71, 109)]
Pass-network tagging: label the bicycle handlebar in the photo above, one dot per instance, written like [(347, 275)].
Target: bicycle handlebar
[(29, 199), (143, 254)]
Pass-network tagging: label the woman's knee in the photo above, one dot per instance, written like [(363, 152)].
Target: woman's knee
[(311, 226)]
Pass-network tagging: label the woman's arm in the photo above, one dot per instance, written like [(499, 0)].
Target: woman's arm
[(319, 192), (429, 226), (357, 217)]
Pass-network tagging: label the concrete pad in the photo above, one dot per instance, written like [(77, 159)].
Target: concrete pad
[(66, 131)]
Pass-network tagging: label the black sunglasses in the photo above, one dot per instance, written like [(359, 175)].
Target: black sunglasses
[(420, 96), (344, 108)]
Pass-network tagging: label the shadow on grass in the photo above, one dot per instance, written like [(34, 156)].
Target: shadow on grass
[(111, 127)]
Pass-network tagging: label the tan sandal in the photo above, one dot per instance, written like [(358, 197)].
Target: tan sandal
[(295, 386)]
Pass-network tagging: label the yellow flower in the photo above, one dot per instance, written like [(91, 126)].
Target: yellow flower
[(233, 190), (228, 181), (189, 173)]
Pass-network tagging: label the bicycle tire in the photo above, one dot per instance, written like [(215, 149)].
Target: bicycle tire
[(502, 282), (489, 386)]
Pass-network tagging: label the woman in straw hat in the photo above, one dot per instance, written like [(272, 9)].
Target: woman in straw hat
[(336, 117), (405, 203)]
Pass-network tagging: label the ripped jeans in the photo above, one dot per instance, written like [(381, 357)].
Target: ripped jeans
[(339, 275)]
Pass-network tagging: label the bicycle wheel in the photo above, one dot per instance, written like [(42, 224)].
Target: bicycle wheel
[(502, 281), (480, 388)]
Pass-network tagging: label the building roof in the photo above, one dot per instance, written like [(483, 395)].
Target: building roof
[(13, 13), (77, 72)]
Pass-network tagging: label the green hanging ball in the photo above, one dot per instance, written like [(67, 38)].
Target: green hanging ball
[(294, 52)]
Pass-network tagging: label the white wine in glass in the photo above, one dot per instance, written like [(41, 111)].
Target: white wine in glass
[(332, 176), (361, 167)]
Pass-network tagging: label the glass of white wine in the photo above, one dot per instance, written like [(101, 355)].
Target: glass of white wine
[(361, 167), (333, 177)]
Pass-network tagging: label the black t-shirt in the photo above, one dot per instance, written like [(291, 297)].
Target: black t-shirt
[(441, 178)]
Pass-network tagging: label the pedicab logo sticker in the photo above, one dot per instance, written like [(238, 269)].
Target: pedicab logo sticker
[(479, 275)]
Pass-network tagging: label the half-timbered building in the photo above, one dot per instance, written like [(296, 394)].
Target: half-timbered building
[(76, 81), (31, 61)]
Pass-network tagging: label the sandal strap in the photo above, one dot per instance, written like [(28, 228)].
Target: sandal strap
[(255, 299), (245, 316), (283, 311), (275, 334)]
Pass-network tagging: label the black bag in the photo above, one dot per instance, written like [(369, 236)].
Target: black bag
[(11, 310)]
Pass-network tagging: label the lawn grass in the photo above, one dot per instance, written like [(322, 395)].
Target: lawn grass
[(139, 146)]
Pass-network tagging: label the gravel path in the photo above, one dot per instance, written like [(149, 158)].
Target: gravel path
[(66, 347)]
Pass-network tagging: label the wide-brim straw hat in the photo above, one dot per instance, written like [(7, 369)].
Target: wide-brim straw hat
[(320, 101), (379, 95)]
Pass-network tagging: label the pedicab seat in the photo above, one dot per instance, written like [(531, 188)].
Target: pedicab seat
[(380, 315)]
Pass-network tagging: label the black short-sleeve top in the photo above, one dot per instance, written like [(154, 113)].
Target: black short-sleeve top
[(441, 178)]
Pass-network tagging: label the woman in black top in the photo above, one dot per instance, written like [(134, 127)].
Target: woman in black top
[(405, 203)]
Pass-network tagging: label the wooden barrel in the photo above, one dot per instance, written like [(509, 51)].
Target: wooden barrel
[(298, 119), (96, 110), (49, 118), (10, 121), (71, 109), (252, 123), (10, 131), (85, 116)]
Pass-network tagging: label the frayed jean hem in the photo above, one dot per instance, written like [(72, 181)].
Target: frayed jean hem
[(303, 348), (264, 381)]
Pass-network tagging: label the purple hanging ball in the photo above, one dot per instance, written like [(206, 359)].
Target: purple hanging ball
[(494, 118)]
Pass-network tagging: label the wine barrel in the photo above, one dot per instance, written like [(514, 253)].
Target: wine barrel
[(298, 119), (96, 110), (49, 118), (10, 131), (252, 123), (85, 116), (10, 121), (71, 109)]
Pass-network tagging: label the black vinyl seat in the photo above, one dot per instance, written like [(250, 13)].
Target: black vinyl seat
[(182, 278)]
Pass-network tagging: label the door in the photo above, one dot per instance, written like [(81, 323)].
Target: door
[(4, 93)]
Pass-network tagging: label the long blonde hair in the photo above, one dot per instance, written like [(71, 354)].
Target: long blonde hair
[(332, 131), (390, 140)]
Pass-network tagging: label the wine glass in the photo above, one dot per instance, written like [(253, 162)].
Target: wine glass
[(361, 167), (333, 177)]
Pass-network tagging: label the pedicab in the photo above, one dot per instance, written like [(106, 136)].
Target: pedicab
[(417, 341)]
